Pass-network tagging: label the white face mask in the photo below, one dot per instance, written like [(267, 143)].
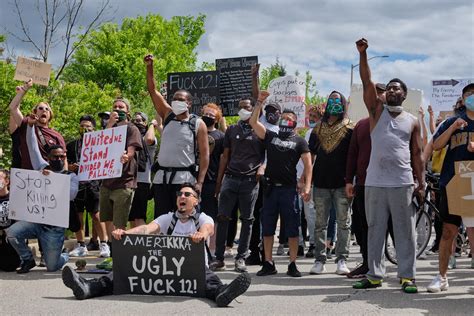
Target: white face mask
[(179, 107), (244, 114)]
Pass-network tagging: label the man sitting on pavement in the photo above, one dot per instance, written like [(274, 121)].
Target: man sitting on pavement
[(187, 202)]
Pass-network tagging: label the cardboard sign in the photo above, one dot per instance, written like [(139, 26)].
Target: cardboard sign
[(29, 68), (445, 93), (289, 93), (234, 81), (357, 109), (158, 265), (37, 198), (201, 84), (101, 152), (460, 189)]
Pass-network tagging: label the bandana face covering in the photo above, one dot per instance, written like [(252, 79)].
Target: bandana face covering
[(181, 215), (335, 107), (286, 128)]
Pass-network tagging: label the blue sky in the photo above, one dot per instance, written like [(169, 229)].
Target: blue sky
[(425, 40)]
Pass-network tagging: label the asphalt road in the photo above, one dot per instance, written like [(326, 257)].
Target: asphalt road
[(43, 293)]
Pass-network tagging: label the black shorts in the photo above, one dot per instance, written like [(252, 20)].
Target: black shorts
[(444, 210), (87, 199), (140, 202)]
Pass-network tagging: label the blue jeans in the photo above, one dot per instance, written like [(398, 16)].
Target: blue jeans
[(50, 237), (324, 200), (244, 191)]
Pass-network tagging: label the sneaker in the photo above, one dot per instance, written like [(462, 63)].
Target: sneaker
[(367, 284), (268, 268), (342, 267), (293, 270), (240, 265), (92, 245), (438, 284), (75, 282), (104, 250), (310, 253), (409, 286), (26, 266), (452, 263), (229, 253), (253, 259), (217, 265), (107, 264), (237, 287), (79, 251), (358, 272), (422, 256), (280, 250), (300, 251), (318, 268), (42, 263)]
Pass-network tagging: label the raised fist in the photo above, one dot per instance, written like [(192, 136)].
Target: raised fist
[(430, 110), (459, 124), (262, 95), (148, 59), (254, 69), (362, 45)]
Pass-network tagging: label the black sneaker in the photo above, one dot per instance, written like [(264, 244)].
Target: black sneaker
[(293, 270), (366, 284), (26, 266), (300, 251), (358, 272), (253, 260), (217, 265), (310, 253), (92, 245), (237, 287), (268, 268)]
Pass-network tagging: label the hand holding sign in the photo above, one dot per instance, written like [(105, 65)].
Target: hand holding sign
[(125, 158), (118, 233), (25, 87), (362, 45), (197, 237)]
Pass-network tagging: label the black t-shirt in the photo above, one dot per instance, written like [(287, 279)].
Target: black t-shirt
[(73, 154), (330, 167), (9, 259), (283, 156), (457, 147), (16, 154), (216, 147), (247, 151)]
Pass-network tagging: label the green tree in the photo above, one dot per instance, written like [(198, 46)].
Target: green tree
[(114, 54), (312, 94), (269, 73)]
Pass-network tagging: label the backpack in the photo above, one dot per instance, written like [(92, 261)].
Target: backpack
[(143, 157)]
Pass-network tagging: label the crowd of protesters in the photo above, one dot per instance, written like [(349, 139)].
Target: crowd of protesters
[(338, 178)]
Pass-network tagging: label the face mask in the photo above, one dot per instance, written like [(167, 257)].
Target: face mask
[(395, 108), (56, 165), (244, 115), (286, 128), (82, 130), (312, 124), (209, 121), (122, 115), (272, 118), (180, 214), (334, 107), (179, 107), (469, 102), (141, 128)]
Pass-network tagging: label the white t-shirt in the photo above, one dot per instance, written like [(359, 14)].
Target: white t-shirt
[(182, 229)]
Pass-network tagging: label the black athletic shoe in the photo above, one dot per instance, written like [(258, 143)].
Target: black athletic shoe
[(234, 289), (268, 268), (293, 270), (310, 253), (76, 283), (92, 245), (253, 260), (26, 266), (358, 272)]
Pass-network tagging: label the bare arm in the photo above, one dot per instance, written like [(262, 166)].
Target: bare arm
[(222, 124), (161, 106), (149, 137), (443, 139), (203, 145), (258, 127), (423, 127), (255, 81), (15, 114), (307, 174), (151, 228), (417, 161), (432, 120), (428, 151), (370, 93)]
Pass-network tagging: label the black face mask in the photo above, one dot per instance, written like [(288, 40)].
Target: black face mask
[(209, 121), (272, 117), (141, 128), (286, 132), (56, 165)]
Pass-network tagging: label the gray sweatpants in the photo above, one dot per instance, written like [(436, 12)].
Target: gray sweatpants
[(380, 203)]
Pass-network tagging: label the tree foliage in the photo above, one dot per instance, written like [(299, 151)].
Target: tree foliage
[(113, 54), (269, 73)]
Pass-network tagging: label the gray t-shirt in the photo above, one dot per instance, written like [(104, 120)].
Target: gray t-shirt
[(390, 158)]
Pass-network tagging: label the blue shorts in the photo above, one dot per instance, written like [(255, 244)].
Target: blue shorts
[(281, 201)]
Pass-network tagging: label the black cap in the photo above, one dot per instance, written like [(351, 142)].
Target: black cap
[(273, 105), (104, 115), (468, 87)]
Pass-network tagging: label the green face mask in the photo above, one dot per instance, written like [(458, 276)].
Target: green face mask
[(122, 115), (334, 108)]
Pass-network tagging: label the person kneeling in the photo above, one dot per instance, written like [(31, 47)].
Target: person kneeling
[(187, 201)]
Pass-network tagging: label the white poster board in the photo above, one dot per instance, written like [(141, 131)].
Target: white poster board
[(289, 93), (446, 92), (101, 152), (37, 198), (357, 109)]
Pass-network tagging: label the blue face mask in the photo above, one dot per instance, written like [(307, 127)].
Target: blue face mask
[(469, 102), (312, 124)]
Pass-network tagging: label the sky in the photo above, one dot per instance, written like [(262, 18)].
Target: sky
[(425, 40)]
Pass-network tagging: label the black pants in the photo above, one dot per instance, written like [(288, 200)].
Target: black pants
[(256, 227), (359, 220)]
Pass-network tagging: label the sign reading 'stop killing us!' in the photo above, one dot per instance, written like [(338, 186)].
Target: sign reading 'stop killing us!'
[(158, 265)]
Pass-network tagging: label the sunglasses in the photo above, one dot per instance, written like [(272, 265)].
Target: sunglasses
[(334, 101), (186, 194), (43, 108)]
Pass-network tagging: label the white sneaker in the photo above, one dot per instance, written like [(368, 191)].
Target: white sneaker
[(280, 250), (79, 251), (438, 284), (229, 253), (342, 267), (318, 268), (104, 250)]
